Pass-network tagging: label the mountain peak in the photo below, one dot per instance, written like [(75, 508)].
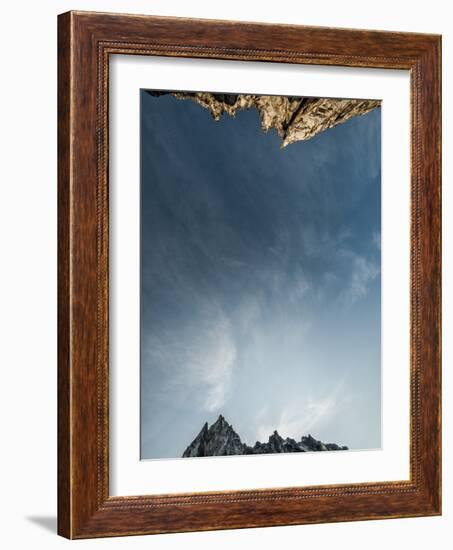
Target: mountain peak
[(220, 420), (220, 439)]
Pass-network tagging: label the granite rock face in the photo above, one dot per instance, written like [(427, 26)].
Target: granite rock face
[(220, 439), (294, 118)]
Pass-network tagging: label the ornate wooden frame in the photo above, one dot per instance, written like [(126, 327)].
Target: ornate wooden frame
[(85, 41)]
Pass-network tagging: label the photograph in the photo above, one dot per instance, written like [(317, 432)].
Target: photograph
[(260, 276)]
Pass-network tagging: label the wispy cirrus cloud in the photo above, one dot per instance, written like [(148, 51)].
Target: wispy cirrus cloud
[(309, 414), (201, 358), (212, 365), (362, 272), (377, 239)]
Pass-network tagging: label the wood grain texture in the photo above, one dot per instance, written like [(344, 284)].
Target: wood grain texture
[(86, 40), (64, 368)]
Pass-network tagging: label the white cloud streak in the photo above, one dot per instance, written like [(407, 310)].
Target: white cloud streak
[(201, 358), (363, 272), (300, 419), (211, 364), (377, 239)]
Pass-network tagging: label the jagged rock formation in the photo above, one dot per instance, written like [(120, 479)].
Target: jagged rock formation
[(221, 440), (218, 440), (294, 118)]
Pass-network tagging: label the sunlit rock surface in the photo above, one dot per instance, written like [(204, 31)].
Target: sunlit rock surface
[(294, 118)]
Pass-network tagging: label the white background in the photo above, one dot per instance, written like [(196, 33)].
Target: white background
[(28, 271)]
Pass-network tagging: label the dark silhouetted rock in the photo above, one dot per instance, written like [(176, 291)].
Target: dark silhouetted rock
[(220, 439)]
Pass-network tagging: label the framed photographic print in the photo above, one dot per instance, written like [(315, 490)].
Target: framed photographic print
[(249, 275)]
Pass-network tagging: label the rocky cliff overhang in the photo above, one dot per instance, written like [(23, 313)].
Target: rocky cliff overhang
[(294, 118)]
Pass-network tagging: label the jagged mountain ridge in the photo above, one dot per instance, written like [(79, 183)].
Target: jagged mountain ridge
[(220, 439)]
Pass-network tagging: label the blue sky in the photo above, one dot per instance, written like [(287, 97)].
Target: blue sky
[(260, 281)]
